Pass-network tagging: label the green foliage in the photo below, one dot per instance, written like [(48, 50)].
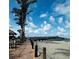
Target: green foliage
[(21, 12)]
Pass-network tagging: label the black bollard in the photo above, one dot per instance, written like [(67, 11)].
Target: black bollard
[(32, 44), (36, 50), (44, 53)]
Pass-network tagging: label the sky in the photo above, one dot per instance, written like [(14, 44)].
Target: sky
[(49, 18)]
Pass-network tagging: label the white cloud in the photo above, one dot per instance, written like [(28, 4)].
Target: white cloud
[(31, 24), (45, 33), (59, 33), (45, 29), (52, 19), (60, 20), (42, 31), (63, 9), (67, 34), (38, 30), (43, 15), (30, 28), (30, 19), (10, 26), (41, 25), (67, 24), (61, 30), (45, 22), (46, 26), (64, 34)]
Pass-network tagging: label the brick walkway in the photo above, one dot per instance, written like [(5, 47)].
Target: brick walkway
[(25, 51)]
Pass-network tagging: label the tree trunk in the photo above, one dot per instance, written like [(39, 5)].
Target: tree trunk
[(22, 33)]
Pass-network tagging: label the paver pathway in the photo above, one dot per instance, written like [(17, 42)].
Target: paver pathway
[(25, 51)]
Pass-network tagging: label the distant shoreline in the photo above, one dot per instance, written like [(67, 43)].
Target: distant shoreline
[(49, 38)]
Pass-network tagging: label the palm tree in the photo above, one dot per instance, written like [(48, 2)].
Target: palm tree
[(20, 14)]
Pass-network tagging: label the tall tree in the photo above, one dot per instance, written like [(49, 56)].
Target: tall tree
[(20, 14)]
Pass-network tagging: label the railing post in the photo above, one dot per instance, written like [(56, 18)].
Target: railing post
[(44, 52), (36, 50), (32, 43)]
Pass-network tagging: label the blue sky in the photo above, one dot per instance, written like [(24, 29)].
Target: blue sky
[(49, 18)]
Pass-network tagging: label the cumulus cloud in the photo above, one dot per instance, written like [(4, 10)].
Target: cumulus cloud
[(62, 32), (43, 15), (30, 28), (67, 24), (41, 31), (60, 29), (45, 33), (46, 26), (60, 20), (45, 29), (51, 19), (36, 31), (63, 9), (30, 19), (45, 22), (32, 25), (10, 26)]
